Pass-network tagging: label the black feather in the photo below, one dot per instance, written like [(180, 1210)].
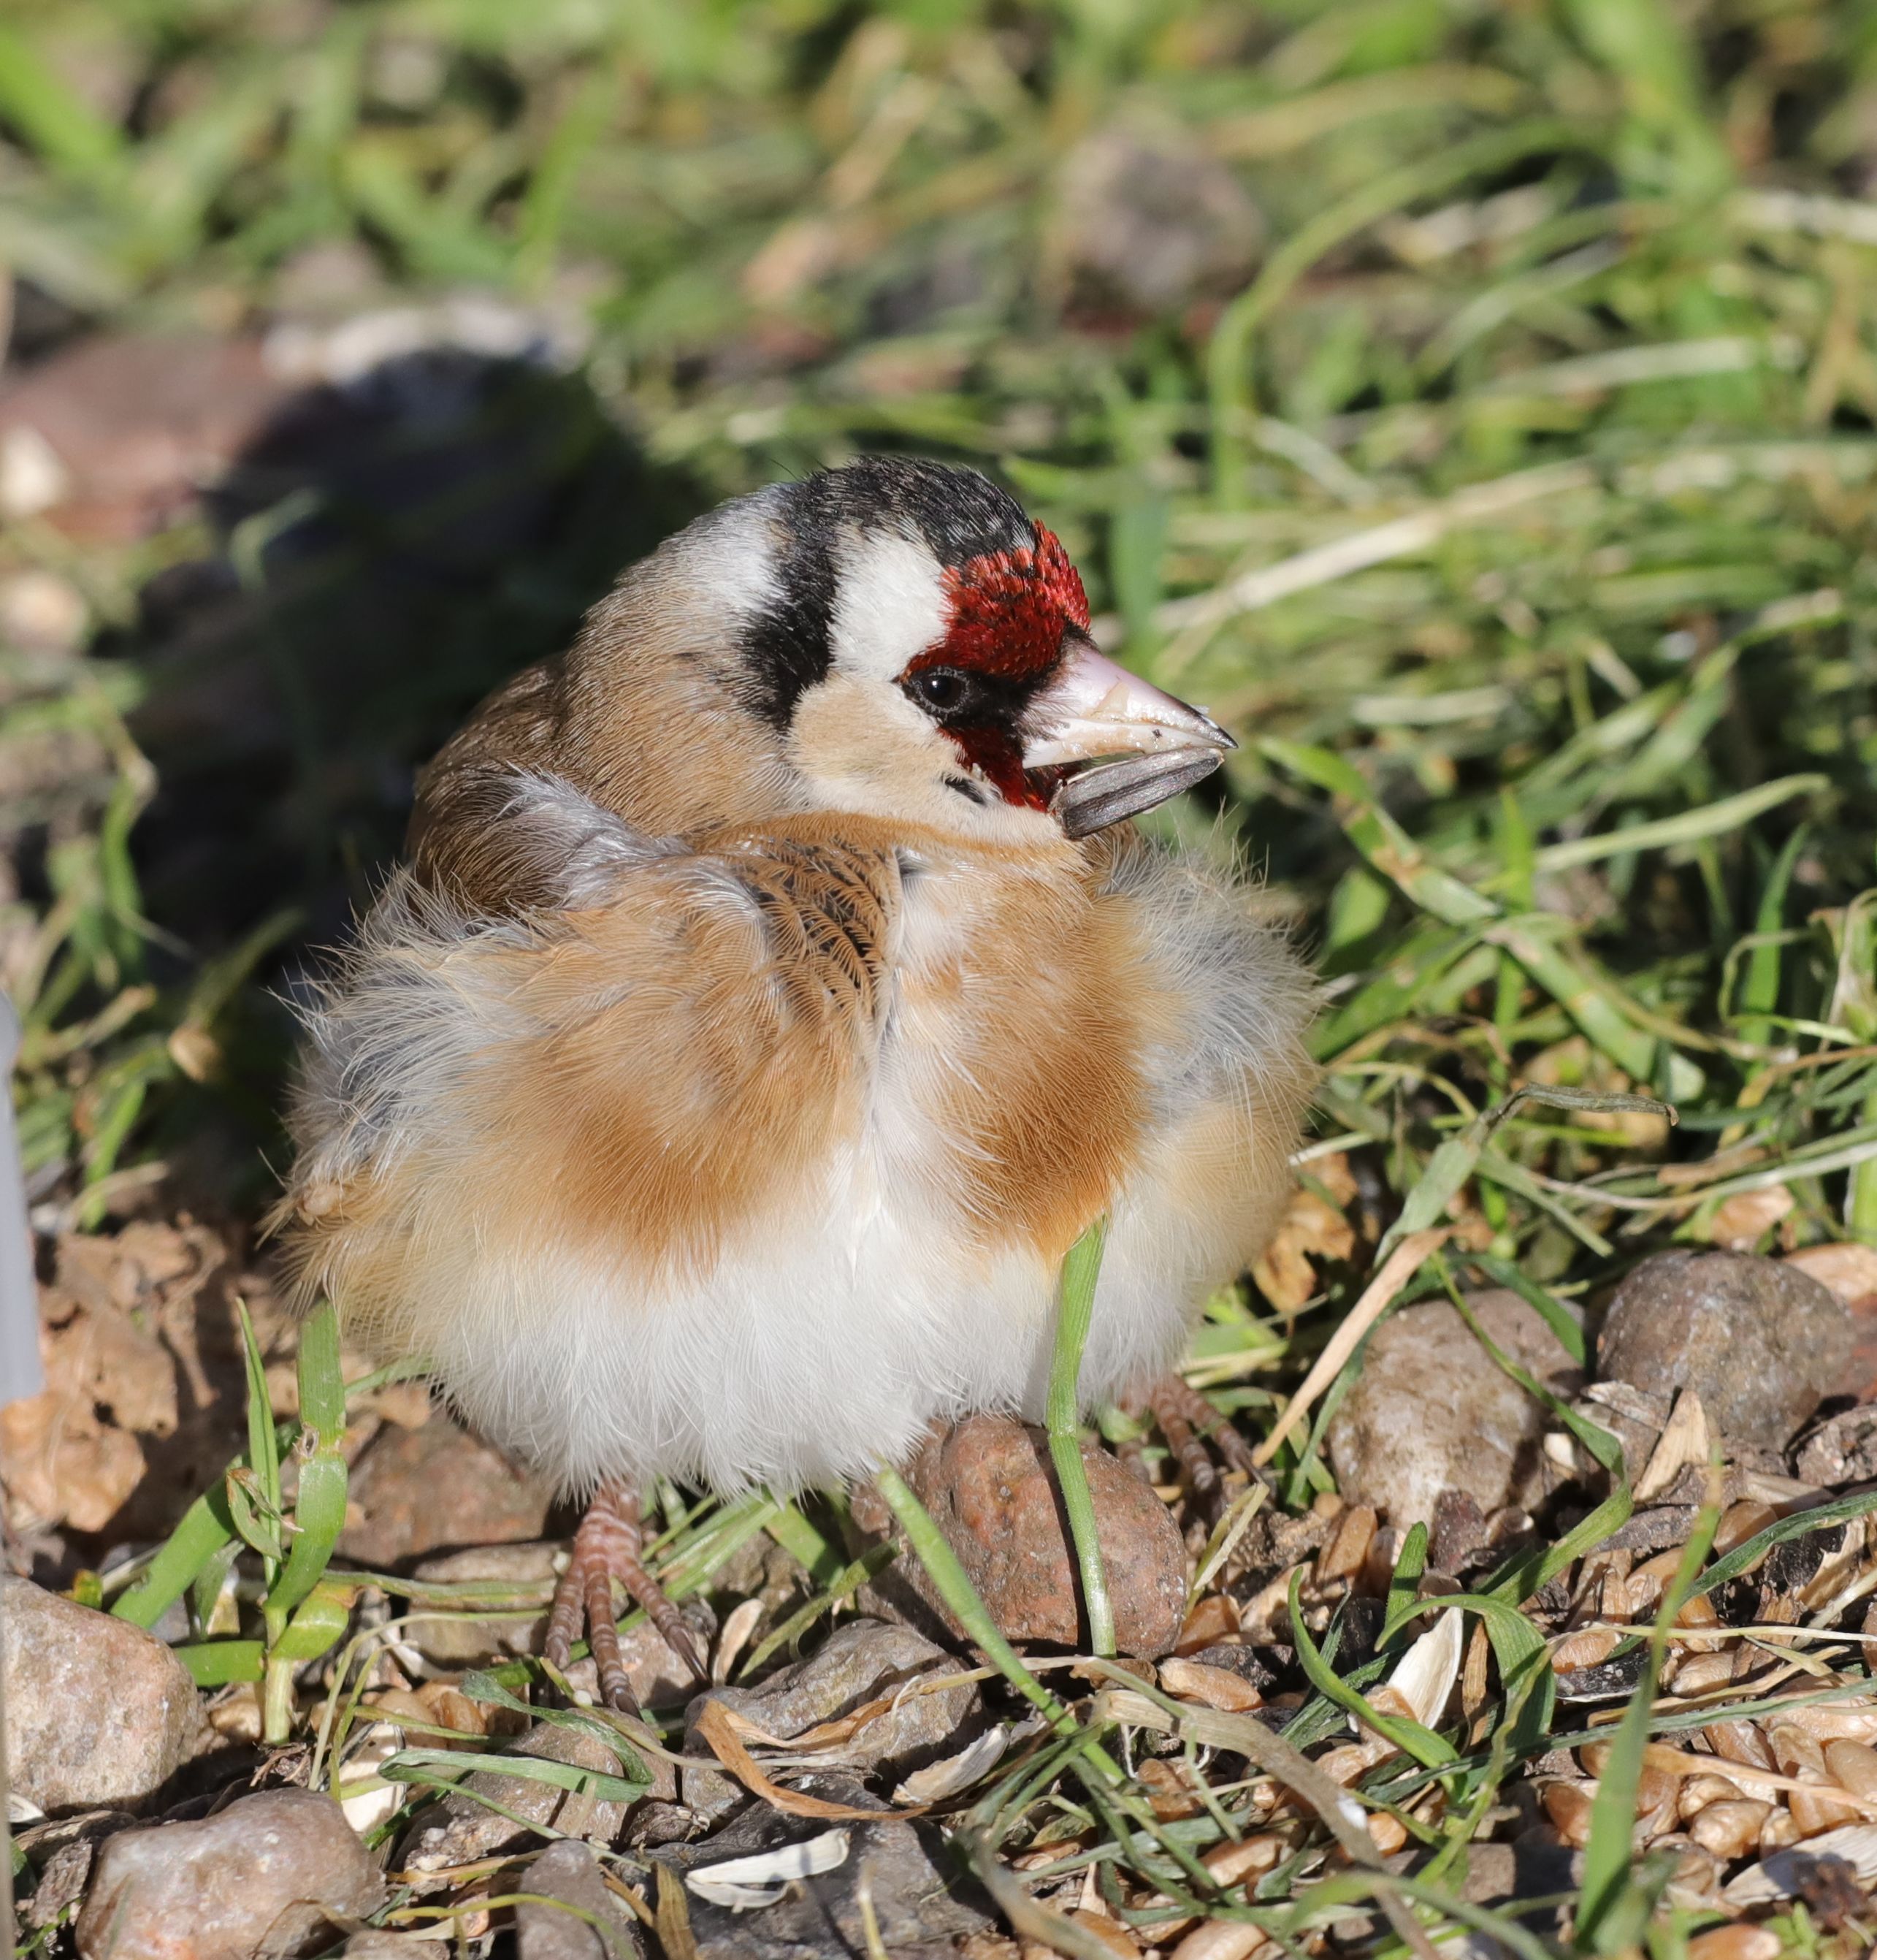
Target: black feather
[(960, 514)]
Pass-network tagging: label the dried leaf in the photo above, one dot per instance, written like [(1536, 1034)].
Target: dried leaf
[(61, 1466), (1783, 1874), (1425, 1676), (734, 1638), (723, 1732), (1742, 1221), (950, 1774), (1309, 1230), (1684, 1442), (1850, 1270), (1215, 1687)]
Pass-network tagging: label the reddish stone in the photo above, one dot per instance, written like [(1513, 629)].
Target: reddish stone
[(991, 1491)]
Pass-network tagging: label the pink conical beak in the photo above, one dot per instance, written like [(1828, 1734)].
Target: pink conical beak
[(1094, 710)]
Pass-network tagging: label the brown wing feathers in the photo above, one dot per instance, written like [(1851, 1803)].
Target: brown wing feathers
[(664, 1042), (709, 1031), (826, 907)]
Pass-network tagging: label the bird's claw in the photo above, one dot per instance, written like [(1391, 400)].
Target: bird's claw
[(1196, 1432), (607, 1547)]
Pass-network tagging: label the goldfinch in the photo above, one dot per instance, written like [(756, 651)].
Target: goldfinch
[(774, 992)]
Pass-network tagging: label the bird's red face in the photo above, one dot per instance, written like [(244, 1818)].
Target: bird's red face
[(907, 583), (1012, 614), (1010, 610)]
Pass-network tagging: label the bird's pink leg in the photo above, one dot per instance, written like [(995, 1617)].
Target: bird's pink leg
[(605, 1548), (1189, 1422)]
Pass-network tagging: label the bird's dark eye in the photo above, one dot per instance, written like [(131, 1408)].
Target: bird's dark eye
[(943, 690)]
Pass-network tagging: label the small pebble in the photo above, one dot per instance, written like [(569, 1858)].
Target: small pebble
[(1107, 1933), (1223, 1939), (41, 612), (1700, 1674), (1729, 1829), (1853, 1766), (1567, 1805), (1213, 1687), (1736, 1942), (1698, 1792)]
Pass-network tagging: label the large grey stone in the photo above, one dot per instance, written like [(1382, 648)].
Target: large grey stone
[(921, 1902), (1432, 1411), (416, 1491), (457, 1830), (566, 1873), (276, 1875), (97, 1711), (866, 1661), (1760, 1342)]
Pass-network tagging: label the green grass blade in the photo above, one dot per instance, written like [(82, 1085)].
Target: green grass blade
[(205, 1529), (1715, 819), (322, 1386), (1646, 47), (303, 1616), (483, 1686), (259, 1526), (263, 1446), (318, 1518), (53, 118), (1519, 1578), (205, 1590), (1075, 1301), (1380, 839), (216, 1663), (804, 1542), (961, 1596), (1410, 1737), (1404, 1584), (323, 1618), (1759, 991), (1611, 1915), (1854, 1006), (1228, 359), (1529, 939), (1821, 1517), (448, 1765)]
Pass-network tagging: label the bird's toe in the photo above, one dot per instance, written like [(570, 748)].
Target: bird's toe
[(608, 1546)]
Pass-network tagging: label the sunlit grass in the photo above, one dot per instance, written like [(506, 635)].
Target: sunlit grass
[(1512, 502)]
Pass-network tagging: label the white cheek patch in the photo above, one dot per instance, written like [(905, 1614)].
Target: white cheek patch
[(890, 605)]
